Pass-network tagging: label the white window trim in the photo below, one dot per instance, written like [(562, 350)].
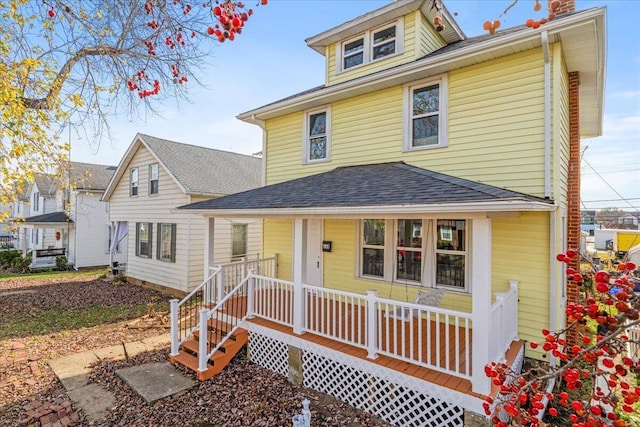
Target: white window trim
[(428, 255), (305, 137), (368, 46), (442, 81)]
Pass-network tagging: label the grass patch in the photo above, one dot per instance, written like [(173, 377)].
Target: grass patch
[(56, 319), (93, 273)]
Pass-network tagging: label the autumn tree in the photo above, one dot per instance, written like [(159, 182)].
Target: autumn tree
[(596, 381), (74, 64)]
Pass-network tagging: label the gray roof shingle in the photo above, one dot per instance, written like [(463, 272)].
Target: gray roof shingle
[(385, 184), (57, 217), (202, 170), (88, 176)]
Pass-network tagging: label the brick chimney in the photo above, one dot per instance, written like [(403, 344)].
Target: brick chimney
[(565, 6)]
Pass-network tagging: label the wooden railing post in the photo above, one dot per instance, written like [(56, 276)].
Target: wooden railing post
[(202, 340), (274, 265), (372, 324), (220, 283), (251, 288), (175, 327)]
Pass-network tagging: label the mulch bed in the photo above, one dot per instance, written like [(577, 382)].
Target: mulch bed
[(244, 394)]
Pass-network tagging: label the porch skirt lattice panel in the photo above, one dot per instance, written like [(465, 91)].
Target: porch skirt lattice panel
[(269, 353), (397, 404)]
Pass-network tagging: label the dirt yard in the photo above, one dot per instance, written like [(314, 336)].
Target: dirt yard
[(46, 318)]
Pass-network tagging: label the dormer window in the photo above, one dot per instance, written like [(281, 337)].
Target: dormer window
[(371, 46), (353, 53), (384, 43)]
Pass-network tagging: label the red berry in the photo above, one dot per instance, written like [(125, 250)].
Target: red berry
[(51, 13), (209, 30)]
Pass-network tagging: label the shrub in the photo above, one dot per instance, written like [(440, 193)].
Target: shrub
[(61, 262), (22, 264), (7, 257)]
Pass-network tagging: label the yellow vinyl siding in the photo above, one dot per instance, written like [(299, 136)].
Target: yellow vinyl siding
[(278, 238), (429, 39), (407, 55), (520, 251), (560, 130), (495, 124)]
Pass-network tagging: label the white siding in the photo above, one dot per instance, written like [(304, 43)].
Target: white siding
[(90, 219)]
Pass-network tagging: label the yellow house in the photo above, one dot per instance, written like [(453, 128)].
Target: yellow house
[(416, 202)]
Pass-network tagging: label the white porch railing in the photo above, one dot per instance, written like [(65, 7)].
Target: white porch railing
[(234, 272), (504, 321), (430, 337)]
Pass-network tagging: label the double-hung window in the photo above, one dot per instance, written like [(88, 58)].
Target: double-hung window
[(144, 233), (425, 115), (166, 245), (239, 240), (153, 178), (317, 136), (133, 182), (353, 53), (371, 46), (425, 252)]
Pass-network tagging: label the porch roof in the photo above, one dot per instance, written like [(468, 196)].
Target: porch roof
[(365, 189), (48, 218)]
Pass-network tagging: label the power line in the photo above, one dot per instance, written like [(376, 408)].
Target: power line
[(605, 181)]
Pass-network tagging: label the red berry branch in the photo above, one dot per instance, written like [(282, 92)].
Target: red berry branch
[(598, 365)]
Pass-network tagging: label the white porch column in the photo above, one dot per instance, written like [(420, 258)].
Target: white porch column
[(208, 245), (481, 302), (298, 294)]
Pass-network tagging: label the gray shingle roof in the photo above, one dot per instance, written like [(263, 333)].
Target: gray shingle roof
[(58, 217), (385, 184), (47, 183), (202, 170), (88, 176)]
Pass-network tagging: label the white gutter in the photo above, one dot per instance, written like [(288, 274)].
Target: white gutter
[(544, 38), (392, 75), (352, 211)]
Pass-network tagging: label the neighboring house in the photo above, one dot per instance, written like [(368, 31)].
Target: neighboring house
[(165, 246), (63, 215), (427, 162)]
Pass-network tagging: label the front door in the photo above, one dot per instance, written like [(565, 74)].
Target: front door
[(313, 249)]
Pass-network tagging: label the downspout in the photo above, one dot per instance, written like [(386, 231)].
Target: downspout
[(544, 39), (547, 114)]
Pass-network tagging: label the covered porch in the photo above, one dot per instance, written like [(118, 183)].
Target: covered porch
[(52, 238), (356, 246)]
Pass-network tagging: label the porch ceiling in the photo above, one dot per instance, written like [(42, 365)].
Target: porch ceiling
[(381, 189)]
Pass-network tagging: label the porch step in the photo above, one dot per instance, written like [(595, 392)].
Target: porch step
[(188, 354)]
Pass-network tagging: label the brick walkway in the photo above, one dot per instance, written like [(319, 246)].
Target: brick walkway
[(24, 372)]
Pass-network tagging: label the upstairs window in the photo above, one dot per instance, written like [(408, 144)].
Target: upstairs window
[(353, 54), (384, 43), (425, 115), (133, 180), (317, 142), (371, 46), (36, 202), (153, 178)]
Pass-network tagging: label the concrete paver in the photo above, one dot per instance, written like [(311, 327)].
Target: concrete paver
[(151, 381)]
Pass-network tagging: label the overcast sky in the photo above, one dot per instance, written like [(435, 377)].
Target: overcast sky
[(270, 61)]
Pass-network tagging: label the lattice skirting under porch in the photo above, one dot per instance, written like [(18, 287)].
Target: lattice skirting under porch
[(396, 398)]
